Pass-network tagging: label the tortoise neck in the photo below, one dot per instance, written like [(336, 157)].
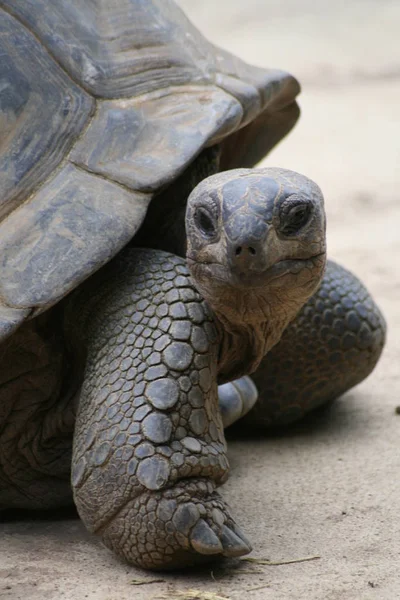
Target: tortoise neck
[(248, 329), (242, 347)]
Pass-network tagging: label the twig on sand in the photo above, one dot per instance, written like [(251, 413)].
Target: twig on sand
[(238, 570), (270, 563), (259, 587), (193, 595), (146, 581)]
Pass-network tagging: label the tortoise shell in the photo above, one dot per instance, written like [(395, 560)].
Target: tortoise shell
[(102, 105)]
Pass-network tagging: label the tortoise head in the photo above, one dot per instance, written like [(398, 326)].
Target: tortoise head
[(256, 238)]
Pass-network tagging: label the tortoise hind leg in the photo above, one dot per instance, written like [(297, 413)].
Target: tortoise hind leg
[(332, 345), (36, 416)]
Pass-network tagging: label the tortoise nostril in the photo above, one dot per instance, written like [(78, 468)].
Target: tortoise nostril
[(245, 251)]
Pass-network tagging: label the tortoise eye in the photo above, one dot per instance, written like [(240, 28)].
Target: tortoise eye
[(205, 222), (294, 215)]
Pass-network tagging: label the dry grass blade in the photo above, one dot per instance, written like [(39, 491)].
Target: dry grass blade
[(193, 595), (240, 571), (259, 587), (146, 581), (237, 570), (270, 563)]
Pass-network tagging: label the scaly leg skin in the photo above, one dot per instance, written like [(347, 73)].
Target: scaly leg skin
[(149, 448), (332, 345)]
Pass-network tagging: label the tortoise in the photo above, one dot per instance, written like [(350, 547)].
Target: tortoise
[(147, 269)]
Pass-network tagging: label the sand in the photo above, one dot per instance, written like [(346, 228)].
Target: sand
[(331, 487)]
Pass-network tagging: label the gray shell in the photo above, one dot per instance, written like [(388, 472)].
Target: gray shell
[(101, 105)]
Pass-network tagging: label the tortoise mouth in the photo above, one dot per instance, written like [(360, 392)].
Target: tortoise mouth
[(253, 280)]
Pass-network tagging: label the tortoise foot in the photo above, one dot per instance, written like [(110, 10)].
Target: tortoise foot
[(181, 526), (236, 399)]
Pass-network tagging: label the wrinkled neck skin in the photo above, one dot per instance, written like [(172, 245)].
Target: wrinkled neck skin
[(250, 321), (247, 332)]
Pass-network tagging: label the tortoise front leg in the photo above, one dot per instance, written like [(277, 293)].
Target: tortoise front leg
[(149, 448), (332, 345)]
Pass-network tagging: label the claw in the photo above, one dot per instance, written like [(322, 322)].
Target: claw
[(233, 544), (241, 535), (204, 540), (248, 392), (236, 398)]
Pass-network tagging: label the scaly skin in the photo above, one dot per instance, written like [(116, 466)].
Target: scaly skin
[(332, 345), (149, 445)]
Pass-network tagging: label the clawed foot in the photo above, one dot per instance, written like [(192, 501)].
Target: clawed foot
[(181, 526), (236, 399)]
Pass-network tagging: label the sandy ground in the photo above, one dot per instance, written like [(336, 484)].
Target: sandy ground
[(330, 488)]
